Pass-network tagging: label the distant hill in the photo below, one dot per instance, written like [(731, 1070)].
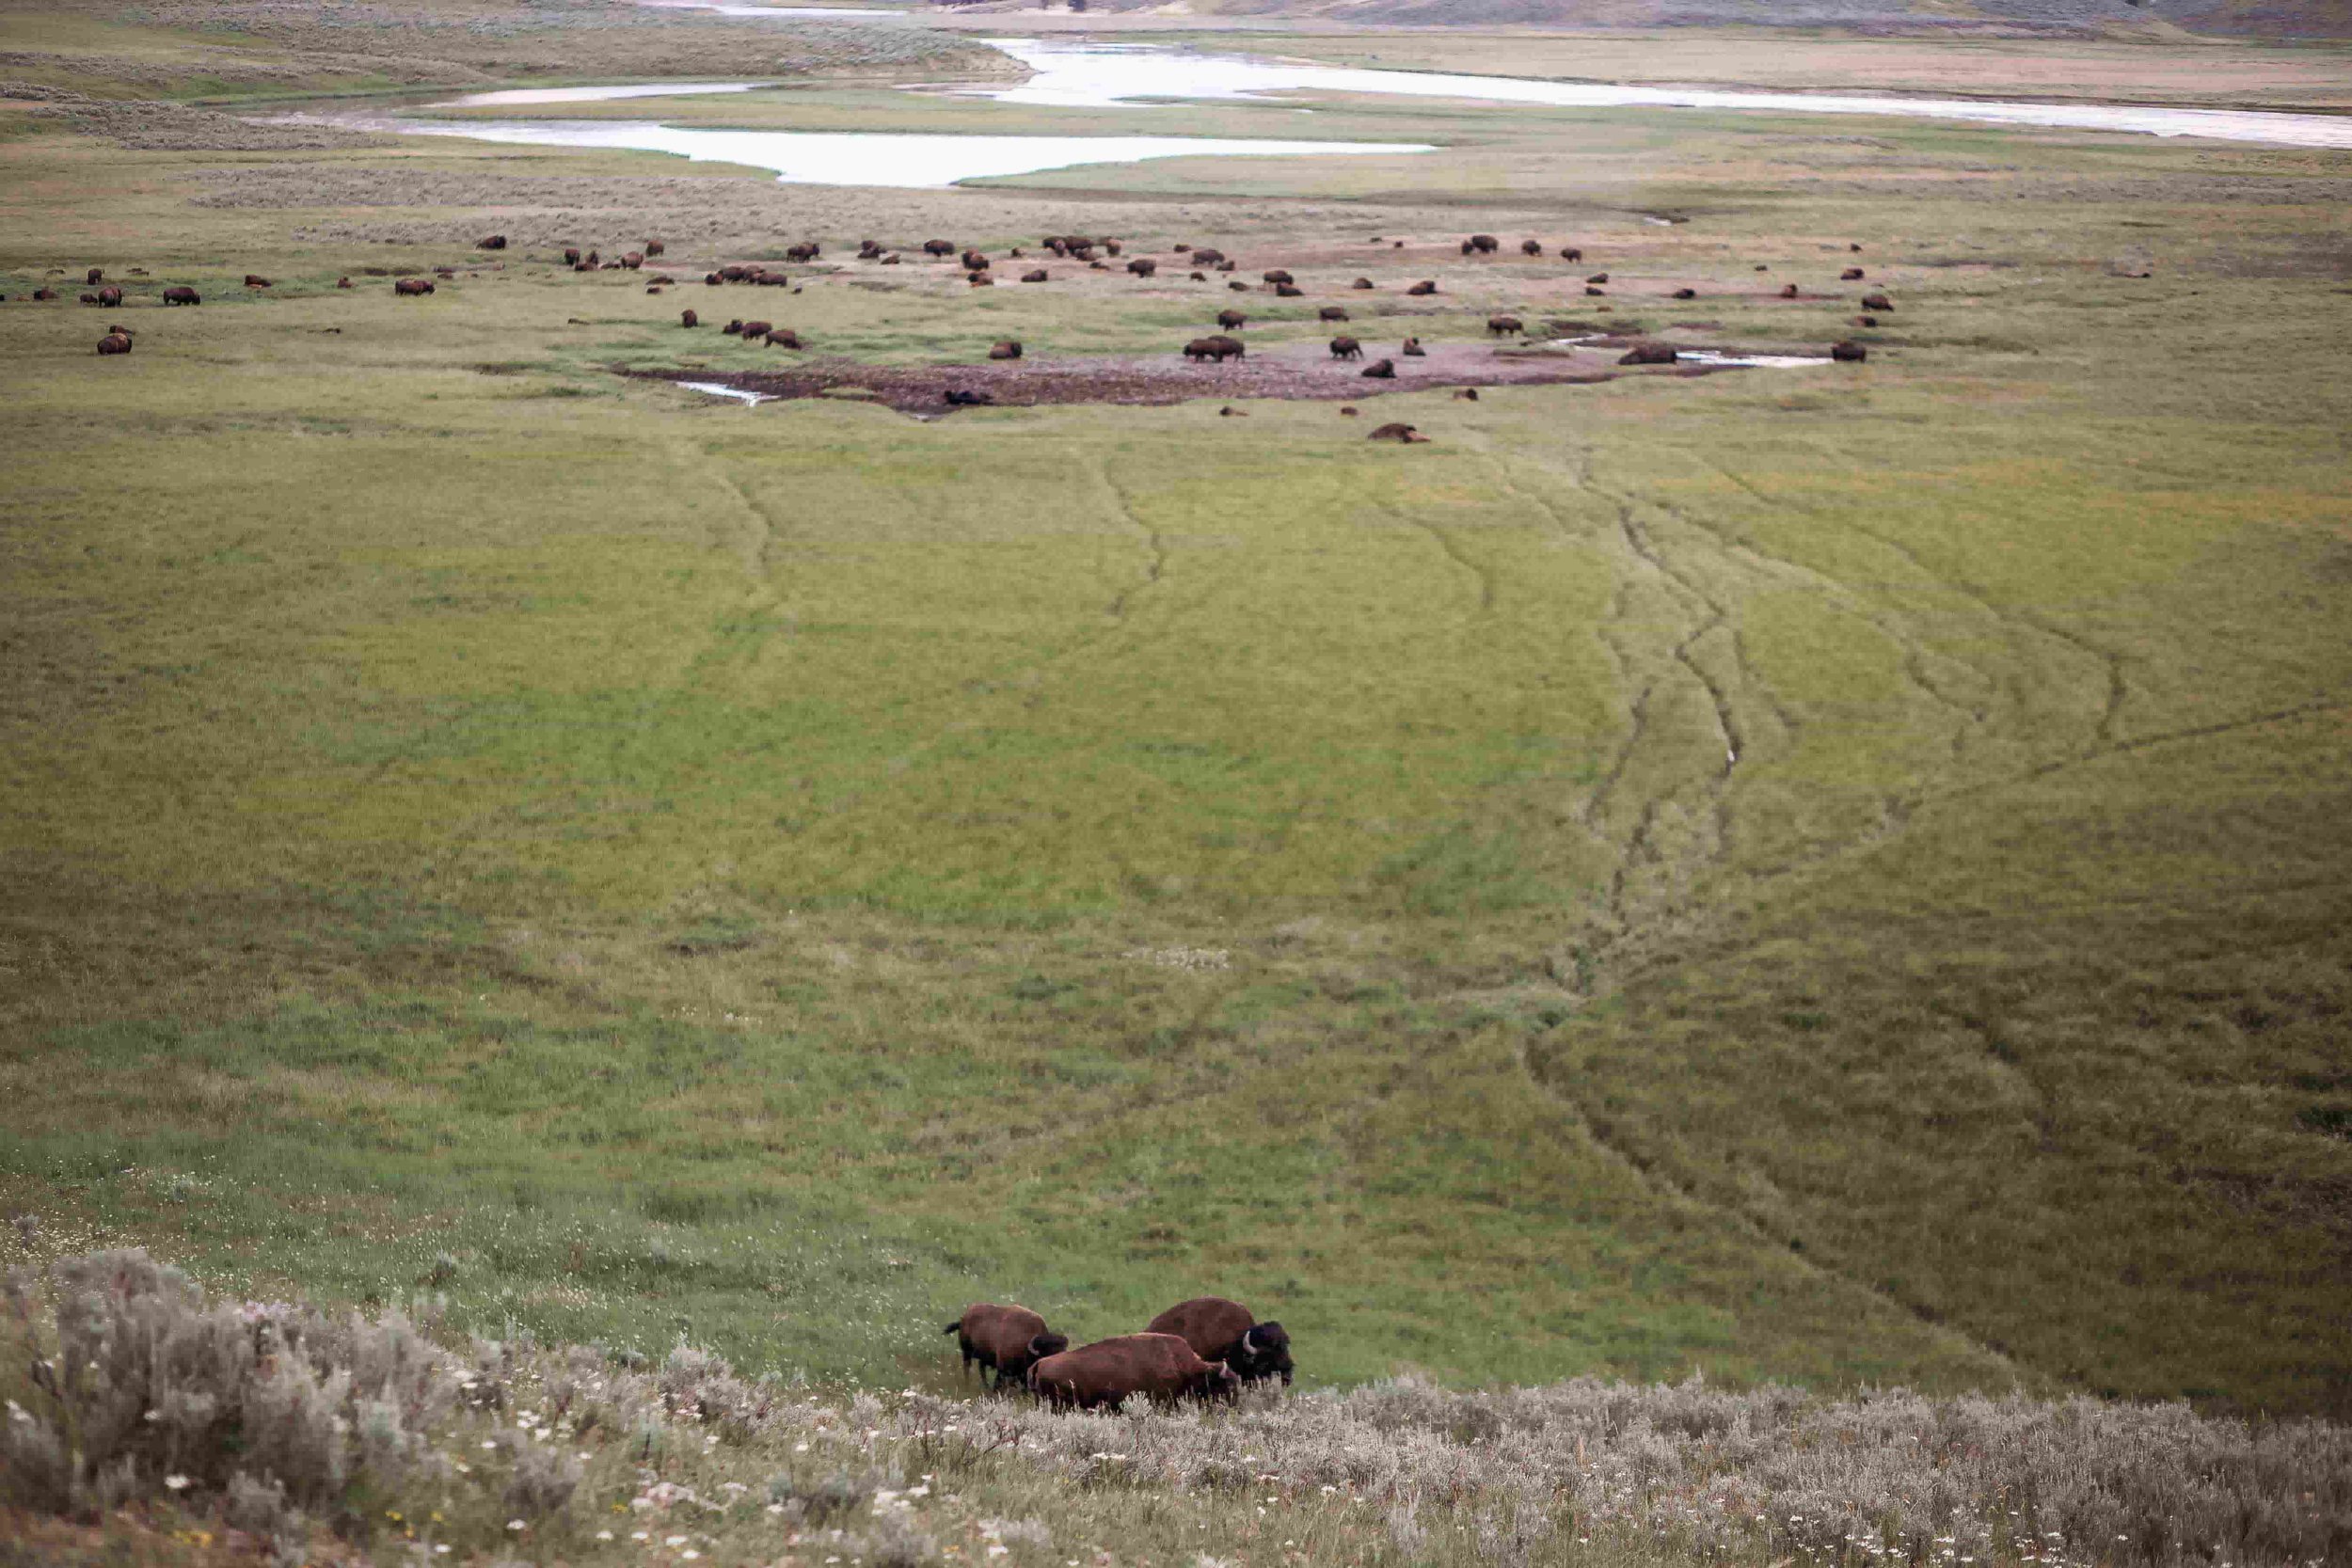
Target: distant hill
[(2282, 19)]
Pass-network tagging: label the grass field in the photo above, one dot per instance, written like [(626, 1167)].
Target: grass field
[(1830, 876)]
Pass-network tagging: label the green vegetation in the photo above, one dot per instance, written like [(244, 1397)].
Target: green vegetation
[(1826, 876)]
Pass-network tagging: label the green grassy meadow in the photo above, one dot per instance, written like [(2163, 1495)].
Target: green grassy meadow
[(647, 868)]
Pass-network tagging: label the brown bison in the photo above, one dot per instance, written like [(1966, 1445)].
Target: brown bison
[(490, 241), (1571, 253), (1468, 394), (1038, 276), (980, 279), (1531, 248), (807, 250), (1788, 291), (1277, 276), (1412, 349), (255, 280), (97, 274), (1362, 283), (732, 329), (1483, 245), (1854, 248), (889, 260), (1206, 256), (1160, 1366), (1404, 435), (342, 282), (782, 337), (1346, 348), (1379, 369), (571, 255), (418, 286), (1592, 292), (1216, 349), (1288, 290), (688, 318), (633, 259), (1238, 286), (590, 261), (756, 330), (90, 298), (1648, 354), (1423, 287), (1008, 349), (654, 247), (1002, 1340), (1233, 321), (1199, 277), (939, 247), (183, 295), (1331, 313), (1686, 293), (1878, 302), (1851, 274), (110, 297), (1143, 266), (1505, 327), (714, 279), (969, 400), (975, 261), (115, 343), (1848, 353), (1865, 320)]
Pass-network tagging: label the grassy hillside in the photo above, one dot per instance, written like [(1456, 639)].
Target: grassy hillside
[(1820, 875)]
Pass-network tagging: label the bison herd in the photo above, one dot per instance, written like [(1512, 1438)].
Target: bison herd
[(1203, 1349)]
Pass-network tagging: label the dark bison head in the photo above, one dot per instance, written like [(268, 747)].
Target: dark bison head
[(1048, 1344), (1221, 1382), (1264, 1351)]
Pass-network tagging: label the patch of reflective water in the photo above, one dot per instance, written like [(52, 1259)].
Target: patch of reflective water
[(749, 399)]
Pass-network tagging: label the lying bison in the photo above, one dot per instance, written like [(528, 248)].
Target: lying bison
[(1848, 353), (1597, 277), (1288, 290), (1221, 1330), (1648, 354), (1423, 287), (1214, 349), (939, 247), (1788, 291), (1160, 1366), (970, 399), (1505, 327), (1362, 283), (115, 343), (974, 261), (633, 259), (1412, 349), (1008, 349), (417, 286), (1379, 369), (1878, 302), (1278, 276), (255, 280), (1331, 313), (490, 241), (1851, 274), (1404, 435), (1346, 348), (1006, 1341), (1037, 275), (688, 318), (1686, 293)]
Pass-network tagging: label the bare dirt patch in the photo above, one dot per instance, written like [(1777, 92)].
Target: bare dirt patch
[(1290, 372)]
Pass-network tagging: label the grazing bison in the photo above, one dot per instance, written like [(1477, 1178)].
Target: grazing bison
[(90, 298), (1160, 1366), (1686, 293), (1233, 321), (1412, 349), (1788, 291), (654, 247), (1571, 253), (756, 330), (782, 337), (1851, 274), (115, 343), (183, 295), (1362, 283), (1277, 276), (1002, 1340), (1648, 354), (1379, 369), (490, 241), (1143, 266), (1404, 435), (970, 399), (1531, 248), (1216, 349), (1008, 349), (255, 280), (1039, 276), (939, 247), (807, 250), (1505, 327), (1484, 245), (1206, 256), (110, 297), (1848, 353), (417, 286), (1423, 287), (1878, 302), (732, 329), (1331, 313), (688, 318), (1346, 348)]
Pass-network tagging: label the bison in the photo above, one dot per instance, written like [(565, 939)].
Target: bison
[(1505, 327), (1878, 302), (1423, 287), (1848, 353), (975, 261), (1788, 291), (1686, 293), (1238, 286), (782, 337), (1404, 435), (590, 261), (751, 330), (1362, 283), (183, 295), (97, 274), (1531, 248), (1216, 349), (939, 247), (1288, 290), (1199, 277), (733, 328), (115, 343), (1002, 1340), (633, 259), (1571, 253), (654, 247), (1648, 354), (490, 241), (1038, 276), (970, 399), (1331, 313), (980, 279), (1468, 394), (417, 286), (1484, 245), (1865, 320), (1160, 1366), (1233, 321), (1277, 277), (110, 297), (255, 280), (688, 318), (1379, 369), (1143, 266), (1206, 256), (1412, 349), (342, 282), (1851, 274), (1346, 348), (807, 250), (1597, 277), (1008, 349), (571, 255), (1592, 292)]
